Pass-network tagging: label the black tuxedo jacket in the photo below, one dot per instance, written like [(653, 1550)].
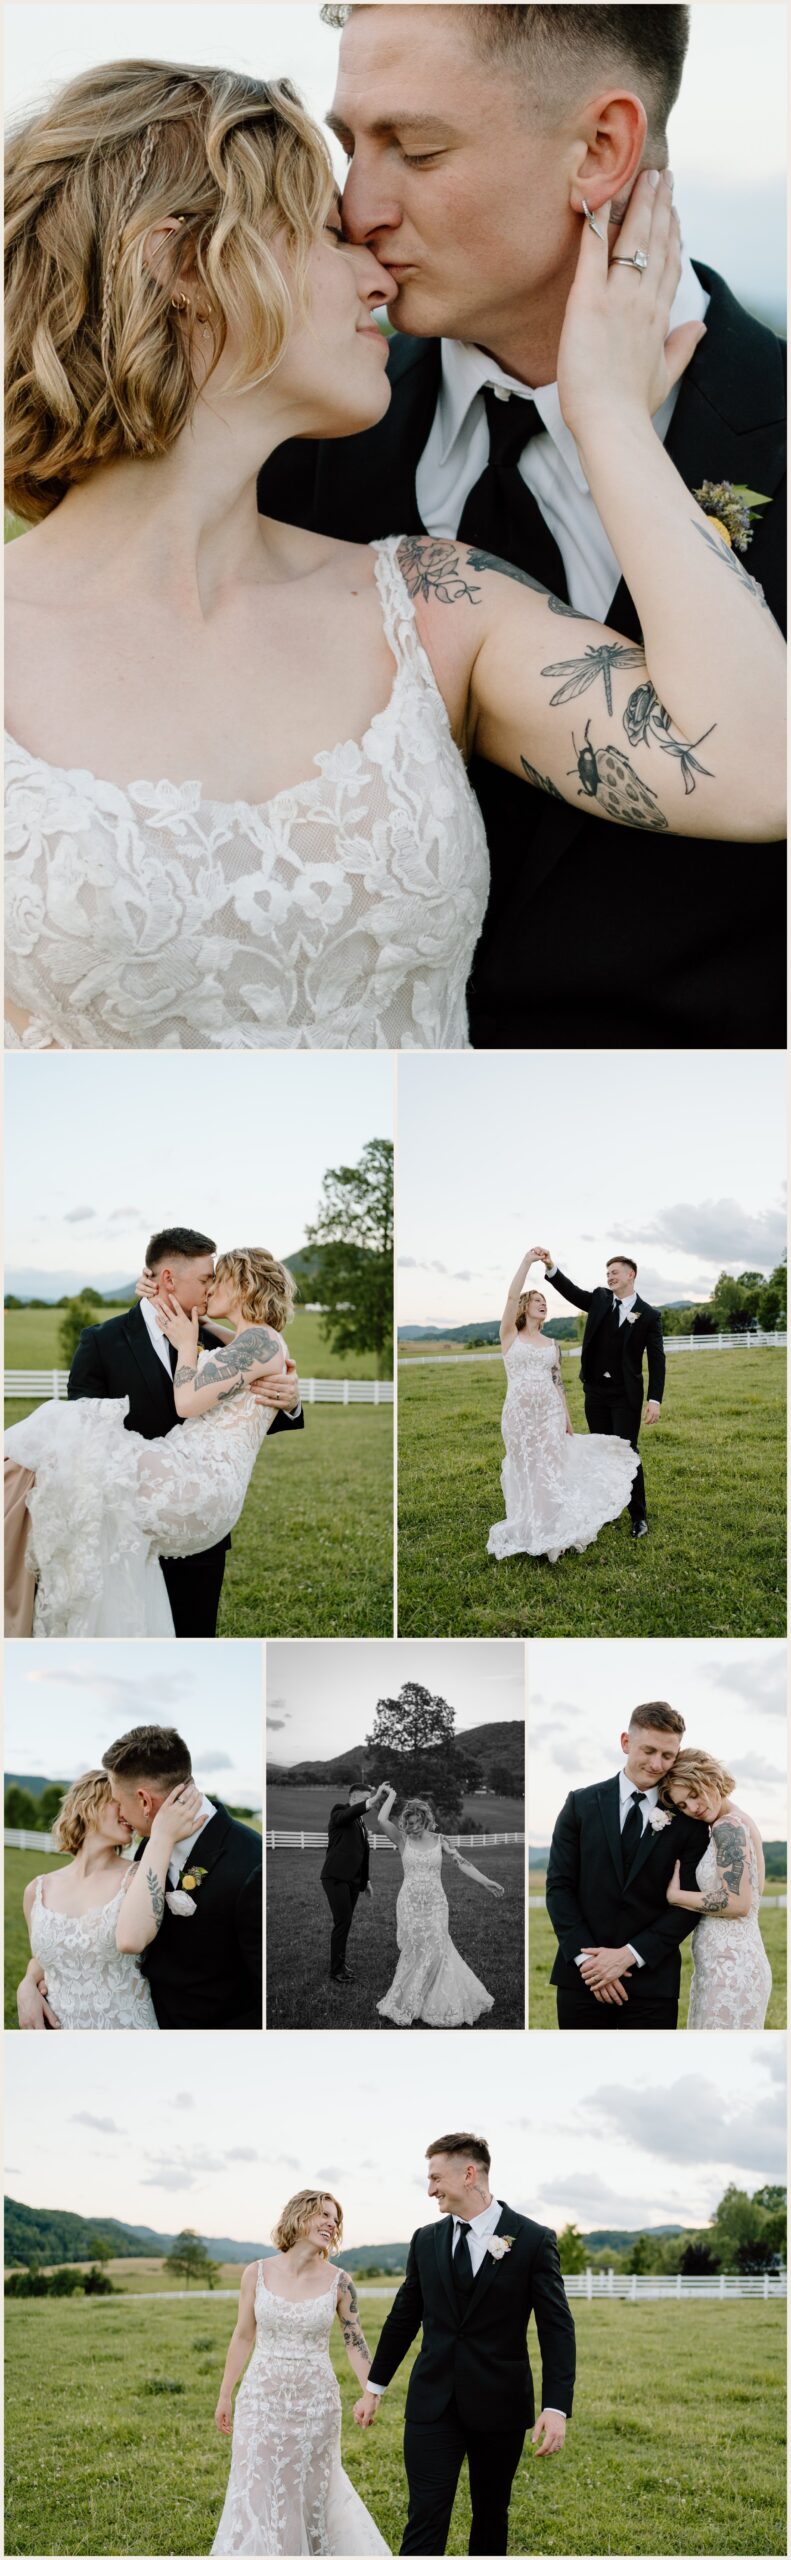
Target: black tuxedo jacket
[(348, 1855), (590, 1904), (476, 2354), (636, 1339), (205, 1969), (584, 927)]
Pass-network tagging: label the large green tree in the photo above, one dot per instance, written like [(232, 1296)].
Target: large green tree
[(189, 2257), (413, 1743), (78, 1313), (354, 1273), (572, 2252)]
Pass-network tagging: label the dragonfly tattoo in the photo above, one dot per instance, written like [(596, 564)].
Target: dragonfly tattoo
[(598, 660)]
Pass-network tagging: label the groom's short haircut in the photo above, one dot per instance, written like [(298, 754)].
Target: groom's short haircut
[(178, 1243), (657, 1717), (471, 2146), (626, 1258), (556, 45), (357, 1789), (152, 1755)]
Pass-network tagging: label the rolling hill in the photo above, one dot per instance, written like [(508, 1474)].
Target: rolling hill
[(56, 2239), (486, 1743)]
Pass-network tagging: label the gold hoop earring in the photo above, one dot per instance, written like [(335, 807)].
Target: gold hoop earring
[(179, 302)]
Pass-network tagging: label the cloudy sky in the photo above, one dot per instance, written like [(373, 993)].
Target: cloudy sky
[(728, 133), (321, 1698), (732, 1697), (587, 2135), (678, 1158), (234, 1144), (60, 1717)]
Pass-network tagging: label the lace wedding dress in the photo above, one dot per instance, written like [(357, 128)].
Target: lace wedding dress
[(558, 1487), (731, 1973), (341, 914), (431, 1981), (287, 2490), (90, 1983), (106, 1504)]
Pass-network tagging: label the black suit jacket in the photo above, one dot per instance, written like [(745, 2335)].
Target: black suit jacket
[(636, 1339), (678, 957), (476, 2353), (205, 1969), (348, 1854), (590, 1904)]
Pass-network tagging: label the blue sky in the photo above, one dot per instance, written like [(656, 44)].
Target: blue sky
[(321, 1698), (61, 1714), (727, 135), (572, 2137), (100, 1153), (732, 1696)]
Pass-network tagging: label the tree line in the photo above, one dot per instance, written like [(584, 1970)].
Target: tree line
[(747, 2235)]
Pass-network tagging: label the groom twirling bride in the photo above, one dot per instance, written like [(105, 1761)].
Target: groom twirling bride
[(471, 2286), (620, 1332)]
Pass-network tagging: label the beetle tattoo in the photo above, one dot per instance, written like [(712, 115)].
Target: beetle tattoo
[(606, 775)]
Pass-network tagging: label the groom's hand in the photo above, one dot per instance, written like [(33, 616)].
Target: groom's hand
[(33, 2009), (652, 1410), (284, 1393), (552, 2427), (368, 1892), (366, 2410), (603, 1965)]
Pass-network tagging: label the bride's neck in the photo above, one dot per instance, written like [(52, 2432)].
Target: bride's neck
[(94, 1854), (304, 2259)]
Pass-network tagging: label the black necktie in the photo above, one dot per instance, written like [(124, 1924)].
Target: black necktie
[(501, 515), (173, 1357), (632, 1832), (462, 2263)]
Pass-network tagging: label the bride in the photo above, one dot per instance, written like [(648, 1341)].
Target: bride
[(106, 1504), (86, 1930), (237, 803), (558, 1489), (287, 2490), (431, 1981), (731, 1974)]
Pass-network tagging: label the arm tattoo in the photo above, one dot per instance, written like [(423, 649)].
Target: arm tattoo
[(645, 718), (433, 569), (598, 660), (352, 2332), (606, 775), (540, 781), (556, 605), (157, 1892), (729, 1844), (506, 568), (723, 553), (715, 1901), (182, 1375), (247, 1352)]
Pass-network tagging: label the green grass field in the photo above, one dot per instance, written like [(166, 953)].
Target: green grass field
[(308, 1809), (542, 1946), (714, 1564), (313, 1552), (677, 2444), (489, 1934), (31, 1342)]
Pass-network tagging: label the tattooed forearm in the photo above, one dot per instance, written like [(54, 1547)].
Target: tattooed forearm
[(157, 1893), (352, 2333), (715, 1901), (722, 552), (645, 718), (182, 1375), (606, 775), (557, 605), (248, 1351), (540, 781), (434, 569), (729, 1843), (507, 569), (579, 673)]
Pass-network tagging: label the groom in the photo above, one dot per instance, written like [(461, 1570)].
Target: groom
[(471, 2285), (620, 1330), (469, 155), (346, 1870), (612, 1858), (129, 1356)]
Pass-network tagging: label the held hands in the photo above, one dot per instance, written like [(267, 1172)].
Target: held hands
[(602, 1966), (615, 331), (551, 2426), (223, 2415), (177, 1817), (540, 1253), (366, 2410)]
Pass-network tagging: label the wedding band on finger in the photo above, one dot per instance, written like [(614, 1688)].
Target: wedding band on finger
[(639, 261)]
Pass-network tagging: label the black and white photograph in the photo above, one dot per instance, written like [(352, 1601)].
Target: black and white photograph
[(395, 1848)]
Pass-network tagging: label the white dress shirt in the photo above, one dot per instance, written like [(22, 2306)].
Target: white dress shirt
[(479, 2230), (156, 1335), (457, 452), (182, 1854)]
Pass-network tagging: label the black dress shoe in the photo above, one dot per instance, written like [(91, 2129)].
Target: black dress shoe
[(344, 1976), (639, 1528)]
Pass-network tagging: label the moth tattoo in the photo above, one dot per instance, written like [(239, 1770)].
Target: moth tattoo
[(605, 774)]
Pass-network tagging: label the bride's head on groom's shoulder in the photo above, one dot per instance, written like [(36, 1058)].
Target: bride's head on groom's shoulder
[(697, 1784), (89, 1809), (311, 2217), (168, 223), (249, 1282)]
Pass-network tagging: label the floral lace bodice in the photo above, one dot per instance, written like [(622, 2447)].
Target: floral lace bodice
[(341, 914), (731, 1974), (287, 2491), (90, 1983)]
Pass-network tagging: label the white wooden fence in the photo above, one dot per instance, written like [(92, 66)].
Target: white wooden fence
[(458, 1839), (42, 1840), (597, 2284), (572, 1350), (54, 1382)]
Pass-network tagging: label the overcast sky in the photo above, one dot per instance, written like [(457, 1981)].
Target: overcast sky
[(321, 1698), (678, 1158), (727, 135), (599, 2137), (732, 1697), (99, 1155), (61, 1715)]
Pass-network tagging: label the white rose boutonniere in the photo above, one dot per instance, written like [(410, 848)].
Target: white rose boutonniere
[(498, 2248), (659, 1820), (634, 1317)]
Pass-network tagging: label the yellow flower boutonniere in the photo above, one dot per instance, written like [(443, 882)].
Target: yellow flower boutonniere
[(192, 1878), (731, 510)]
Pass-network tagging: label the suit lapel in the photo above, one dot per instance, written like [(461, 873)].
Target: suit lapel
[(505, 2227), (444, 2247), (148, 1362), (647, 1843), (609, 1802)]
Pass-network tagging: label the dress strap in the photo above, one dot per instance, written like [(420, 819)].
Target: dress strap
[(398, 616)]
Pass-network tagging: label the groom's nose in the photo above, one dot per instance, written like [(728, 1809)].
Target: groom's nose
[(370, 209)]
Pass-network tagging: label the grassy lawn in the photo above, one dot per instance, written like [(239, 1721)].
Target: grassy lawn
[(31, 1342), (543, 1945), (312, 1553), (677, 2445), (714, 1564), (20, 1865), (489, 1935)]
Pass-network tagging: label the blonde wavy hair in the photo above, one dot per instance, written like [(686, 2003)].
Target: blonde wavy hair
[(264, 1287), (407, 1822), (524, 1302), (693, 1772), (298, 2214), (79, 1810), (98, 360)]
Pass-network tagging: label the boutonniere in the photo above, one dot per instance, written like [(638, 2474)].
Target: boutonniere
[(498, 2248), (181, 1901), (634, 1317), (658, 1820), (731, 509)]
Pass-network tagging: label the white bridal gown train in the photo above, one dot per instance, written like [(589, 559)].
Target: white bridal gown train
[(559, 1487), (287, 2491), (431, 1981)]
